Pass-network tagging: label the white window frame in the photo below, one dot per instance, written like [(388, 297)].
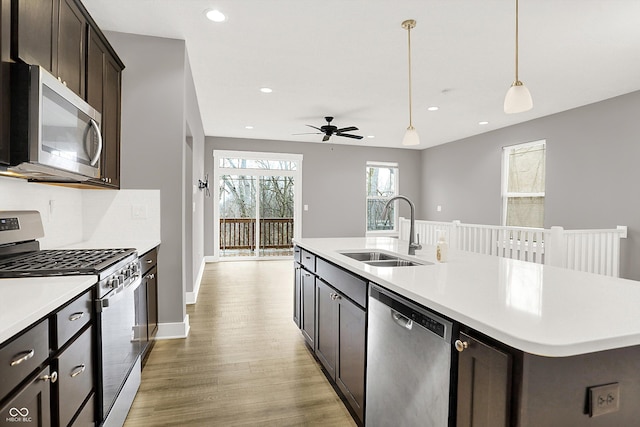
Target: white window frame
[(394, 231), (506, 151), (218, 171)]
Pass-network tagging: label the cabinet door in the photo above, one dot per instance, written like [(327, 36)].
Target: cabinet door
[(5, 98), (297, 293), (96, 58), (350, 374), (72, 31), (31, 406), (111, 123), (152, 302), (327, 327), (36, 39), (308, 315), (484, 377)]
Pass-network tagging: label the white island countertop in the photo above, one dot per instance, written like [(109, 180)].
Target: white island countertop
[(542, 310)]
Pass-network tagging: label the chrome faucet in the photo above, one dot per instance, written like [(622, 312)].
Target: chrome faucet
[(413, 245)]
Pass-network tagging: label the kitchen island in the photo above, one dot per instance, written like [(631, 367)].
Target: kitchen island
[(564, 332)]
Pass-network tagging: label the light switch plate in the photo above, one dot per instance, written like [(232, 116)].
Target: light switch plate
[(604, 399)]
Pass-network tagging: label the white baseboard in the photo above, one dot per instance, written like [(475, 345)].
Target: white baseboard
[(192, 297), (168, 331), (210, 258)]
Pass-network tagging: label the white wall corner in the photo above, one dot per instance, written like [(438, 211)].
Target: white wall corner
[(169, 331), (192, 297)]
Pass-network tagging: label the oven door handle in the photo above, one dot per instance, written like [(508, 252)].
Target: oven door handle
[(117, 294)]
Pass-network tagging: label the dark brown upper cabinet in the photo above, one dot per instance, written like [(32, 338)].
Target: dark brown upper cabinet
[(104, 94), (61, 36), (5, 98), (52, 34)]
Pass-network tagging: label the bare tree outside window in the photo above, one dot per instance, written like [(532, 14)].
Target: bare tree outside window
[(382, 184)]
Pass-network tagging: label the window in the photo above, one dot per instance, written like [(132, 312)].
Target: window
[(382, 183), (523, 171)]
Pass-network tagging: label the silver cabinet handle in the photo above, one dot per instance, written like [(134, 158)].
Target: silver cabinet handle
[(76, 316), (461, 345), (95, 158), (22, 357), (401, 320), (77, 370), (149, 261), (334, 296), (53, 377), (307, 274)]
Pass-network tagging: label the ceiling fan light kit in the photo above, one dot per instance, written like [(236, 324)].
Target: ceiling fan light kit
[(411, 135), (518, 98)]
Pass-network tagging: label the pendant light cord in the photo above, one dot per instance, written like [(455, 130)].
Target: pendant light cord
[(410, 99), (517, 41)]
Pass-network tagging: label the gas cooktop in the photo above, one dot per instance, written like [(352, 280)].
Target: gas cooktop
[(61, 262)]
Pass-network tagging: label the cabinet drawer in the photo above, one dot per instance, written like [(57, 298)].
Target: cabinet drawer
[(21, 356), (75, 376), (148, 260), (352, 286), (70, 319), (309, 261)]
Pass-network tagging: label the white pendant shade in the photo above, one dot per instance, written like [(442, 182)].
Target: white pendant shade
[(518, 99), (411, 137)]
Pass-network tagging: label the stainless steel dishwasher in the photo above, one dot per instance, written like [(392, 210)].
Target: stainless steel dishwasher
[(408, 363)]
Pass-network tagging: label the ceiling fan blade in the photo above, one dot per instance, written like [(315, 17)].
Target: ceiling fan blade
[(350, 128), (308, 133), (315, 127), (326, 138), (350, 136)]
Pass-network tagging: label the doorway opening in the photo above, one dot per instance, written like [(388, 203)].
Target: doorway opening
[(258, 204)]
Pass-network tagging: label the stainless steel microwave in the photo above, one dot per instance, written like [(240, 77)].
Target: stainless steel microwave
[(55, 134)]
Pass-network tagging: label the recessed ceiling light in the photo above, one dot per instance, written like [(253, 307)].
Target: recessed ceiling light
[(266, 90), (371, 136), (433, 108), (483, 123), (215, 15), (248, 127)]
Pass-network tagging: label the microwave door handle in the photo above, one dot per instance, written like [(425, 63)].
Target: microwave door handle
[(95, 158)]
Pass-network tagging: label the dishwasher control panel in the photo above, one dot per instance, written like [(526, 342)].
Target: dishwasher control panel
[(418, 315)]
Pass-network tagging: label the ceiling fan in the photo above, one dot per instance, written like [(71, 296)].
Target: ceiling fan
[(328, 130)]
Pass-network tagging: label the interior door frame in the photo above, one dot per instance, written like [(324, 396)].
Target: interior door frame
[(219, 171)]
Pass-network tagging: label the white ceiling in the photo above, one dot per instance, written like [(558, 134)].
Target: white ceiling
[(348, 59)]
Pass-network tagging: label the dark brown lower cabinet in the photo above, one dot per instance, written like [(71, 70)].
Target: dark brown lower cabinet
[(484, 384), (31, 406), (340, 343), (308, 305), (297, 293)]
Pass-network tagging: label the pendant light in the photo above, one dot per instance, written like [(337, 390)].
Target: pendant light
[(411, 136), (518, 98)]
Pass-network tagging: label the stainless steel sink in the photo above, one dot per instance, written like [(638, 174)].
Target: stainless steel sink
[(369, 256), (382, 259)]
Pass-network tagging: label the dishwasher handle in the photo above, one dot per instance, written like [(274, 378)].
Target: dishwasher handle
[(401, 320)]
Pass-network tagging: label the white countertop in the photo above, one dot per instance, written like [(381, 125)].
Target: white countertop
[(24, 301), (141, 246), (543, 310)]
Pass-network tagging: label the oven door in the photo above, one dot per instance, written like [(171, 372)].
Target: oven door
[(120, 345)]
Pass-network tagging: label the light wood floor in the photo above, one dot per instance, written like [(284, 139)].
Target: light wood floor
[(244, 362)]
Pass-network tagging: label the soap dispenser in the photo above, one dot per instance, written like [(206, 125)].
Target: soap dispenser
[(442, 248)]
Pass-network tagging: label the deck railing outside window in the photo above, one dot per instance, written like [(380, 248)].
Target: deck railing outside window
[(240, 233)]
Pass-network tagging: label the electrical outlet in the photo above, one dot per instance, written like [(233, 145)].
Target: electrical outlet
[(604, 399)]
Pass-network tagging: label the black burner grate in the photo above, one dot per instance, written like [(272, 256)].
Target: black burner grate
[(61, 262)]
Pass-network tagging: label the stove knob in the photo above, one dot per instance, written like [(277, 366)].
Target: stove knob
[(112, 282)]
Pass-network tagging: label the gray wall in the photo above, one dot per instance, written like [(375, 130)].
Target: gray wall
[(157, 102), (592, 166), (333, 182)]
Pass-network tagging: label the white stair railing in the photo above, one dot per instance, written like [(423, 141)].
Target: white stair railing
[(594, 251)]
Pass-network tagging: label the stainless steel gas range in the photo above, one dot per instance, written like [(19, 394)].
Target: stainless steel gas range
[(117, 321)]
